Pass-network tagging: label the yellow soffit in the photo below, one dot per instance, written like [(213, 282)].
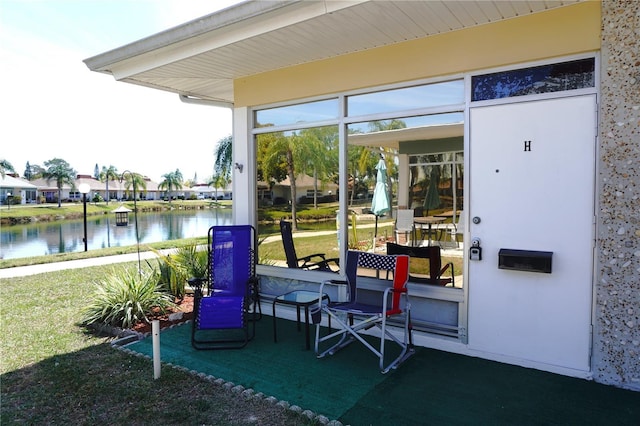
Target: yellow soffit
[(563, 31)]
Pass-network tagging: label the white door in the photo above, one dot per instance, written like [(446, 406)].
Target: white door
[(532, 172)]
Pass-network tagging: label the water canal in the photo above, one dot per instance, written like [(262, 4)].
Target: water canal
[(46, 238)]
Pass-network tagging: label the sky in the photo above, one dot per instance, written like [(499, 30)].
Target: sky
[(52, 106)]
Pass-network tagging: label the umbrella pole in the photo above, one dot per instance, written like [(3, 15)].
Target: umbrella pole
[(375, 236)]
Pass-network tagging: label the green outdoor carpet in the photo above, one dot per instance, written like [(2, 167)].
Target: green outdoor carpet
[(431, 388), (285, 370)]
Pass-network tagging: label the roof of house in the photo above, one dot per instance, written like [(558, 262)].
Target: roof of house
[(203, 57), (12, 182)]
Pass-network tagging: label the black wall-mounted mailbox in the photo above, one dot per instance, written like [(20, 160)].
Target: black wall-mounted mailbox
[(525, 260)]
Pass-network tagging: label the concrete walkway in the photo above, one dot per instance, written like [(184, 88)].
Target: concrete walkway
[(21, 271)]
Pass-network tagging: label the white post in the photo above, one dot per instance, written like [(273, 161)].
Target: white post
[(155, 332)]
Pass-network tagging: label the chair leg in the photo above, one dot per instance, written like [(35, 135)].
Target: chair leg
[(349, 333)]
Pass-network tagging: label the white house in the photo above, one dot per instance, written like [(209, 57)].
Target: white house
[(528, 108), (17, 191)]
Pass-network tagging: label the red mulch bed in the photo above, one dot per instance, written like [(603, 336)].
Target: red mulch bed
[(185, 305)]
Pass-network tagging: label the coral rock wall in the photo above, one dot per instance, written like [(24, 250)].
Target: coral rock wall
[(616, 351)]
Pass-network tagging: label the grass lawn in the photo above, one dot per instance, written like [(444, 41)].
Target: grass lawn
[(54, 372)]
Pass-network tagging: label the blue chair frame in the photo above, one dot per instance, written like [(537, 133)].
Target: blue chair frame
[(224, 307)]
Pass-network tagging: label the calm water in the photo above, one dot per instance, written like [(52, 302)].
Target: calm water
[(64, 237)]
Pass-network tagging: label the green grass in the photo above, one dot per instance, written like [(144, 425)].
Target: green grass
[(111, 251), (76, 210), (54, 372)]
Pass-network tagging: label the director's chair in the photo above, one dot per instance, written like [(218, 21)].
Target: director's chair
[(354, 317)]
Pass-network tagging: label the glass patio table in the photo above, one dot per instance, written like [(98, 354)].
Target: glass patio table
[(299, 299)]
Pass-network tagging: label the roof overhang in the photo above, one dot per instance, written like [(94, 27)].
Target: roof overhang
[(201, 58), (393, 138)]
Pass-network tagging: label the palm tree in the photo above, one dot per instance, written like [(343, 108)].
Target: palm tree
[(107, 174), (291, 152), (60, 171), (323, 155), (218, 181), (5, 167), (133, 180), (170, 182), (224, 157)]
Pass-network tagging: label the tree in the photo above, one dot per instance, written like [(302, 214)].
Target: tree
[(170, 182), (5, 166), (96, 172), (28, 172), (291, 152), (37, 171), (134, 181), (60, 171), (224, 157), (322, 163), (107, 174), (218, 181)]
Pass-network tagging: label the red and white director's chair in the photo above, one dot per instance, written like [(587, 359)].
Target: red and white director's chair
[(354, 317)]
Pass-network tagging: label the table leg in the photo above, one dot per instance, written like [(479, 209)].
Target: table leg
[(275, 337), (306, 325)]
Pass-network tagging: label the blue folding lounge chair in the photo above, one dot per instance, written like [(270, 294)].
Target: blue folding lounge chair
[(229, 302), (354, 317)]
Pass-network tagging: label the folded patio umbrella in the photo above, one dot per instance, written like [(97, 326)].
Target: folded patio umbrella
[(432, 198), (380, 203)]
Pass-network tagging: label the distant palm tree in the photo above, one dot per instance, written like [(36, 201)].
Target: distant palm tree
[(60, 171), (170, 182), (107, 174), (5, 167), (218, 181), (133, 180)]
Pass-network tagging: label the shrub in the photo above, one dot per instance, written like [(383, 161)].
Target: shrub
[(126, 297), (167, 275), (192, 262), (174, 270)]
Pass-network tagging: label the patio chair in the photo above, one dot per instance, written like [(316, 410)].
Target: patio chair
[(227, 304), (458, 229), (355, 317), (436, 270), (317, 261), (404, 224)]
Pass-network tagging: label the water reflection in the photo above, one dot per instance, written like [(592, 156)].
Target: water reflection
[(64, 237)]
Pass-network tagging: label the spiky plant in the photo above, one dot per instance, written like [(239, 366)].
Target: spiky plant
[(175, 269), (125, 297), (192, 261)]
